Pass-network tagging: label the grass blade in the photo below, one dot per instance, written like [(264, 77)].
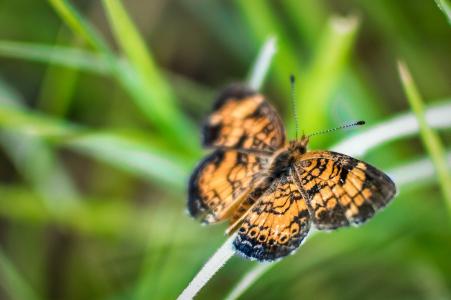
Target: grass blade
[(13, 283), (259, 17), (69, 57), (221, 256), (158, 101), (318, 84), (78, 24), (430, 139), (48, 177), (155, 101), (445, 7), (129, 152), (262, 63), (401, 126)]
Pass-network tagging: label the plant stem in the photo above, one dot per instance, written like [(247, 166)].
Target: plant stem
[(221, 256)]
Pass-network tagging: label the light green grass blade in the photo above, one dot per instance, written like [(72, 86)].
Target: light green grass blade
[(140, 155), (318, 84), (445, 7), (65, 56), (259, 17), (360, 99), (430, 139), (158, 101), (13, 283), (59, 84), (260, 68), (143, 159), (144, 82), (78, 24), (33, 158)]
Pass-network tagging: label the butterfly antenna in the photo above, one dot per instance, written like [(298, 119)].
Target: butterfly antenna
[(293, 103), (354, 124)]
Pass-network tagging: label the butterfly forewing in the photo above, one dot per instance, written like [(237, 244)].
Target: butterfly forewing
[(341, 190), (242, 119)]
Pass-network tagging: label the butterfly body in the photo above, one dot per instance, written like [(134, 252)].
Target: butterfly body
[(273, 192)]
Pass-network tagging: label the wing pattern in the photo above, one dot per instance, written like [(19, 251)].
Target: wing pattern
[(276, 225), (220, 181), (243, 119), (341, 190)]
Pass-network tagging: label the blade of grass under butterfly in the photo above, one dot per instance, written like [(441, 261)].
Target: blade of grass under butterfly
[(430, 139), (12, 281), (445, 7)]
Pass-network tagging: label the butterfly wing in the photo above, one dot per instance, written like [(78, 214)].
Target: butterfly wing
[(243, 119), (341, 190), (276, 225), (220, 182)]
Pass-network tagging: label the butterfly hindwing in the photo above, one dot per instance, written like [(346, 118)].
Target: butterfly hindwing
[(341, 190), (220, 182), (276, 224), (243, 119)]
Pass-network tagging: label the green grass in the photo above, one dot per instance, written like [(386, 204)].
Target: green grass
[(101, 105), (430, 138)]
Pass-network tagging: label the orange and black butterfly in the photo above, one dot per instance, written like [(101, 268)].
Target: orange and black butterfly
[(272, 191)]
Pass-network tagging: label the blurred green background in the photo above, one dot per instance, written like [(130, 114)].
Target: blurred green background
[(100, 108)]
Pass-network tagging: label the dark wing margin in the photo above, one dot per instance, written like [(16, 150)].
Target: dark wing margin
[(242, 119), (220, 182), (341, 190)]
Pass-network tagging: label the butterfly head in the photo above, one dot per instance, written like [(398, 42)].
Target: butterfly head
[(299, 146)]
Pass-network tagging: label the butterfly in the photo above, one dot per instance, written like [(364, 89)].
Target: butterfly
[(271, 191)]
